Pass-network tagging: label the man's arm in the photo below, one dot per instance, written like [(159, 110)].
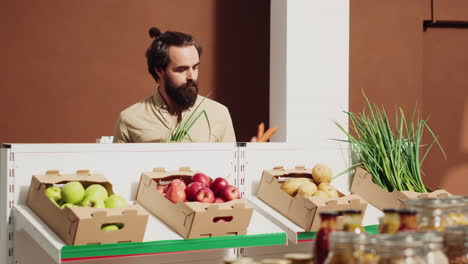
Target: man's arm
[(121, 132)]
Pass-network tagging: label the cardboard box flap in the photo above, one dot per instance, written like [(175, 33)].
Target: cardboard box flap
[(279, 171), (88, 212), (437, 193), (352, 199), (159, 170), (200, 207), (35, 183), (54, 176), (161, 175), (146, 179), (71, 215)]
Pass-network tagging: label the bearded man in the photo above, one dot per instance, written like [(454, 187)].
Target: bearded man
[(173, 61)]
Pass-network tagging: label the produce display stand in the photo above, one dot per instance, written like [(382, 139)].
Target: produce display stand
[(122, 165), (24, 238), (259, 157)]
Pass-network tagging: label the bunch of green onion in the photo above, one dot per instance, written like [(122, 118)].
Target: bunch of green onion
[(183, 128), (391, 156)]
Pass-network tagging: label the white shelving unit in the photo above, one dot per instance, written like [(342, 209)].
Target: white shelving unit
[(122, 165)]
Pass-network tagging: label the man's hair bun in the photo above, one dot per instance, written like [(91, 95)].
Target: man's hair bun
[(154, 32)]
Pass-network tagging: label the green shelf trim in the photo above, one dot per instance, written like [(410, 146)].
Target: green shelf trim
[(164, 246), (372, 229), (308, 235)]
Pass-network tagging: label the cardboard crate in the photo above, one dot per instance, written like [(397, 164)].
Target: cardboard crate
[(305, 212), (363, 185), (82, 225), (192, 219)]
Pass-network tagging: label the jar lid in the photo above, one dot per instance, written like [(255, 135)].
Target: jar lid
[(436, 203), (342, 237), (366, 238), (401, 240), (329, 214), (432, 237), (406, 211), (389, 211), (351, 211)]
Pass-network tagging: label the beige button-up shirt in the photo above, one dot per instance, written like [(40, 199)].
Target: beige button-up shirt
[(149, 121)]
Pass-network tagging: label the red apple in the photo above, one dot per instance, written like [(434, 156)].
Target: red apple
[(202, 178), (179, 183), (229, 193), (223, 219), (161, 188), (218, 185), (192, 190), (176, 194), (219, 200), (205, 195)]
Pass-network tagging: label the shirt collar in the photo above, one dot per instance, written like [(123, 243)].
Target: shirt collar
[(159, 101), (161, 104)]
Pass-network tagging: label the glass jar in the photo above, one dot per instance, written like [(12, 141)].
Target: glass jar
[(433, 245), (400, 248), (437, 213), (365, 248), (456, 244), (390, 222), (341, 248), (352, 221), (299, 258), (327, 226), (408, 220), (464, 210)]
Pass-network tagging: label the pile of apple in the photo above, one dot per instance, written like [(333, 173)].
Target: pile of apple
[(73, 194), (200, 189), (318, 186)]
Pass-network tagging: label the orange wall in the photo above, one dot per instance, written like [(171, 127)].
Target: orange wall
[(445, 97), (397, 63), (69, 67)]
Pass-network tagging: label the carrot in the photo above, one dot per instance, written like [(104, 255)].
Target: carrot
[(267, 135), (261, 130)]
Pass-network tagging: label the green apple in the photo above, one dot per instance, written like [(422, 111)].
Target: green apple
[(110, 227), (96, 190), (53, 193), (66, 205), (115, 201), (93, 201), (72, 192)]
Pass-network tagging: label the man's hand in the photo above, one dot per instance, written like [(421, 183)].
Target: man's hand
[(263, 136)]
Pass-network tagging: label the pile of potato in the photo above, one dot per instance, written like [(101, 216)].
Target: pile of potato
[(318, 186)]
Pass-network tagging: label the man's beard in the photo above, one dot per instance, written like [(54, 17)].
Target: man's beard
[(185, 95)]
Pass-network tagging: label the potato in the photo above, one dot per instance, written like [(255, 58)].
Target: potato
[(328, 189), (325, 186), (321, 194), (333, 193), (322, 173), (290, 186), (306, 189)]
